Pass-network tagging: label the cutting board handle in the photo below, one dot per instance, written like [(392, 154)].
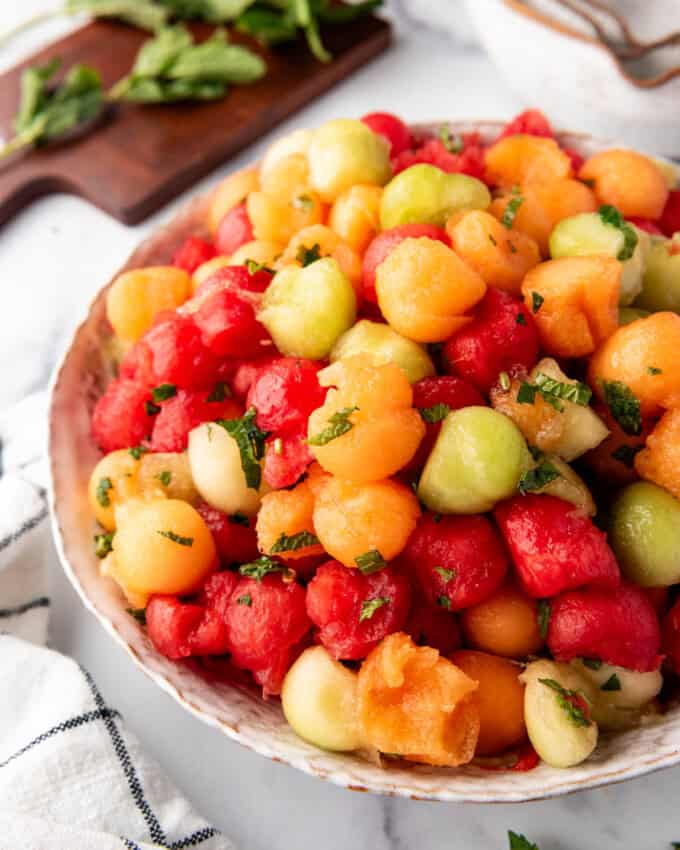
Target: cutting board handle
[(21, 182)]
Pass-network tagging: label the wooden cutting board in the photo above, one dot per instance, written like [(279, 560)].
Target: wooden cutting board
[(140, 157)]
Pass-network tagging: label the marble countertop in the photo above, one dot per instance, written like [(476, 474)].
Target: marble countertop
[(430, 73)]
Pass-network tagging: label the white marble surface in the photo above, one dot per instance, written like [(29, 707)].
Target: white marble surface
[(73, 249)]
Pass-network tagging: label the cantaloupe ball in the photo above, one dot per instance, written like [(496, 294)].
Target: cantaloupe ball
[(505, 624), (355, 216), (284, 518), (277, 219), (230, 192), (296, 142), (137, 296), (113, 481), (424, 290), (354, 520), (643, 356), (659, 461), (319, 700), (500, 256), (166, 474), (627, 180), (579, 307), (543, 206), (416, 704), (499, 697), (259, 251), (523, 160), (160, 546), (384, 429)]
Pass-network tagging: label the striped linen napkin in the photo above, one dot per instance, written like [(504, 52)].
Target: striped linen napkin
[(71, 776)]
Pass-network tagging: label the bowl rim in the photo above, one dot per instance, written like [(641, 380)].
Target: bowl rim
[(540, 17), (340, 774)]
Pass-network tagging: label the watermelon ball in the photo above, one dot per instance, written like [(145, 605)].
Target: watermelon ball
[(286, 460), (670, 217), (554, 546), (531, 122), (671, 637), (456, 561), (184, 411), (470, 159), (435, 397), (235, 537), (234, 277), (234, 230), (123, 416), (181, 629), (172, 352), (617, 625), (386, 242), (354, 612), (390, 128), (192, 253), (284, 393), (501, 337), (244, 373), (266, 621), (433, 627), (228, 325)]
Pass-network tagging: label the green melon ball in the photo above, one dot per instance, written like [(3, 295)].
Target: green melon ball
[(477, 461), (386, 346), (306, 310), (423, 194), (644, 533), (345, 152)]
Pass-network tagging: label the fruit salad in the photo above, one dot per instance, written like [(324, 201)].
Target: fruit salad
[(395, 439)]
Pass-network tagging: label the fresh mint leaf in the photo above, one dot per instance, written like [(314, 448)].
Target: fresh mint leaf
[(370, 606), (537, 478), (239, 519), (446, 574), (571, 702), (138, 614), (520, 842), (177, 538), (611, 216), (250, 441), (623, 406), (306, 256), (103, 544), (452, 143), (543, 617), (284, 543), (536, 302), (444, 602), (263, 566), (102, 492), (370, 562), (220, 392), (246, 600), (163, 392), (508, 217), (625, 454), (613, 683), (143, 14), (138, 451), (338, 424), (592, 663), (435, 413), (165, 477)]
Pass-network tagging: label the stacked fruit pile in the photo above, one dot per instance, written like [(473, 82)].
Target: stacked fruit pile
[(400, 404)]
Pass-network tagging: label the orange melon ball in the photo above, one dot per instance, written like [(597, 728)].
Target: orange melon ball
[(136, 297), (522, 160), (502, 257), (161, 546), (499, 698), (355, 215), (659, 462), (285, 514), (505, 624), (352, 519), (276, 219), (286, 178), (424, 290), (385, 430), (544, 206), (324, 242), (627, 180), (644, 356), (414, 703), (112, 482), (230, 192), (580, 303)]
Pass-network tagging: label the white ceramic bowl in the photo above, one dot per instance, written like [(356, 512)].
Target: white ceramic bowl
[(237, 711), (552, 63)]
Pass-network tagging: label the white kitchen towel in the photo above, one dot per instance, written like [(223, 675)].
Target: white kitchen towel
[(71, 776)]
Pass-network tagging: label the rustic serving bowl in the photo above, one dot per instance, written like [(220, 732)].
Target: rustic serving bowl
[(238, 711)]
